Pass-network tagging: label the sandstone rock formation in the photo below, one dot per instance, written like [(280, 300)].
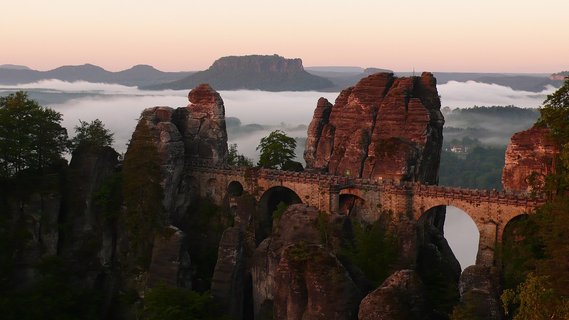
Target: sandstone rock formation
[(167, 256), (530, 157), (299, 278), (183, 135), (401, 296), (56, 216), (383, 127), (89, 170), (479, 293)]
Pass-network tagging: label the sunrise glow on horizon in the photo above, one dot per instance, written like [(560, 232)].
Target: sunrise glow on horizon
[(172, 35)]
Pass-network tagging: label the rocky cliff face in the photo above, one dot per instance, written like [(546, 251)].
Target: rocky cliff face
[(57, 217), (383, 127), (295, 276), (530, 157), (401, 296)]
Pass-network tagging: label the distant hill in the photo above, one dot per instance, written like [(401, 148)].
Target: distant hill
[(559, 75), (13, 67), (348, 76), (343, 77), (139, 75), (253, 72)]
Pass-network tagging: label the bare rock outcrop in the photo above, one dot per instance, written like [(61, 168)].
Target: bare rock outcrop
[(203, 128), (401, 296), (89, 170), (383, 127), (530, 157), (296, 277), (479, 293), (182, 136), (168, 258)]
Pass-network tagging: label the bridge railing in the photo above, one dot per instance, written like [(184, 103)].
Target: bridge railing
[(343, 182)]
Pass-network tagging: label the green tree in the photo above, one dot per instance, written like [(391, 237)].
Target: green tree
[(92, 133), (555, 113), (534, 299), (276, 150), (373, 249), (234, 158), (31, 136)]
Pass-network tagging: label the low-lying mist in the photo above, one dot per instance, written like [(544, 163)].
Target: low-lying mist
[(468, 94), (258, 112)]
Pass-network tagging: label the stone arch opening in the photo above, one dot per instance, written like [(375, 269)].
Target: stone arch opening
[(267, 206), (351, 205), (459, 230), (462, 235), (235, 189)]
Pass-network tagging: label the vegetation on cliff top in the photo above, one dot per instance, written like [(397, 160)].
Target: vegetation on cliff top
[(31, 136), (92, 133), (277, 150), (536, 247)]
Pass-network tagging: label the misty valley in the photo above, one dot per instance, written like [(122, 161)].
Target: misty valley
[(475, 136), (479, 121)]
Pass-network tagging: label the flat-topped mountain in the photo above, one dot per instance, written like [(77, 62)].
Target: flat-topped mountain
[(253, 72), (139, 75)]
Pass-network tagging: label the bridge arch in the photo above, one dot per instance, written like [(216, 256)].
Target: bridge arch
[(351, 205), (268, 203), (462, 234), (235, 188), (472, 229)]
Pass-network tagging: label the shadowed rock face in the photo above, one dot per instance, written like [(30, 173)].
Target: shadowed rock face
[(297, 277), (530, 157), (480, 293), (182, 135), (401, 296), (384, 127)]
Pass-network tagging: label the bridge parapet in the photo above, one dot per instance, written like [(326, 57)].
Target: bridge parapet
[(385, 185)]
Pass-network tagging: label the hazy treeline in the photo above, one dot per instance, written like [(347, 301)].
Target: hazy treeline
[(483, 134)]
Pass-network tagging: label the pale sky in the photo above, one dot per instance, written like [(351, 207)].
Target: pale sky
[(175, 35)]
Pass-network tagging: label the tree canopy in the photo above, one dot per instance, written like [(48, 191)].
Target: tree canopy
[(555, 113), (535, 248), (234, 158), (92, 133), (31, 136), (276, 150)]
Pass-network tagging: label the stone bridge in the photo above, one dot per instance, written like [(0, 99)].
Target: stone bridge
[(490, 210)]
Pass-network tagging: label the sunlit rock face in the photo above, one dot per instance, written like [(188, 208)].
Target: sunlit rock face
[(203, 126), (383, 127), (530, 157)]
